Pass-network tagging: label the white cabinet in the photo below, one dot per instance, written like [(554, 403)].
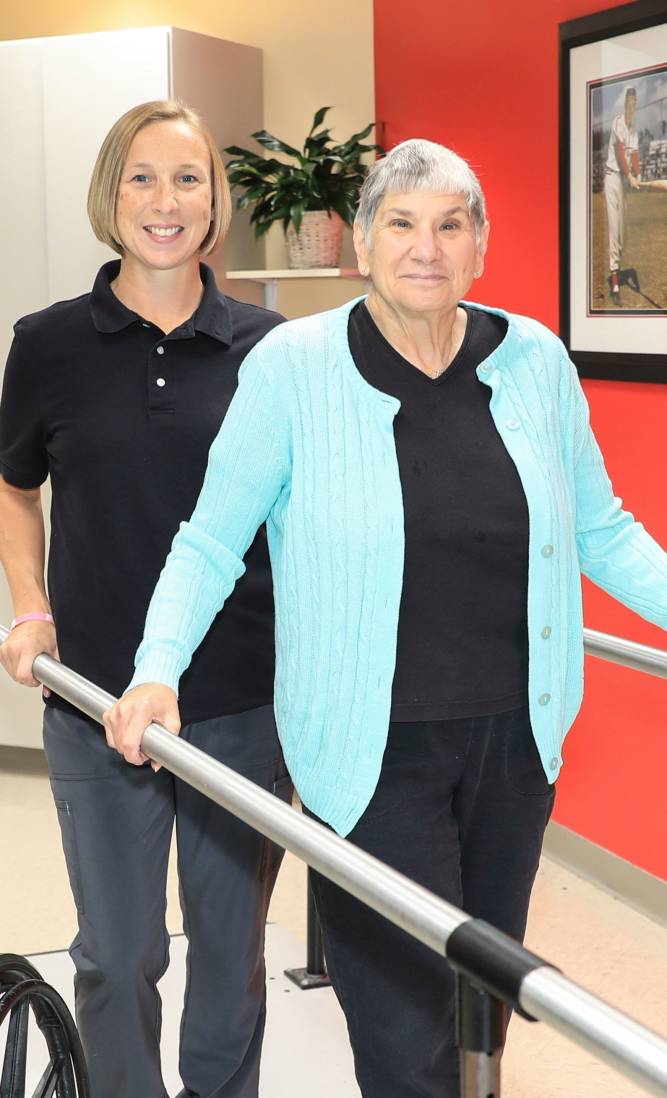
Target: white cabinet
[(60, 97)]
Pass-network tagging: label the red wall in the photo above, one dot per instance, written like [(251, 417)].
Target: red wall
[(483, 78)]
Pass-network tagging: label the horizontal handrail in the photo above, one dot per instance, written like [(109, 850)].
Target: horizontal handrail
[(627, 653), (544, 993)]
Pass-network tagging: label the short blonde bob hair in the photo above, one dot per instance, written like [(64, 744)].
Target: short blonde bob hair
[(111, 158)]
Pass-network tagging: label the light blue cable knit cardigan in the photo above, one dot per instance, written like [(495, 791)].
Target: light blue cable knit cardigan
[(308, 446)]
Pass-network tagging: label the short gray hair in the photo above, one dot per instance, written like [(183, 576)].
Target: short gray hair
[(419, 165)]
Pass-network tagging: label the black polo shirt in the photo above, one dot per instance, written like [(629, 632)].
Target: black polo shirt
[(121, 416)]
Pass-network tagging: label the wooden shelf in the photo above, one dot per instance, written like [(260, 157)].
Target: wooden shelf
[(270, 279), (305, 272)]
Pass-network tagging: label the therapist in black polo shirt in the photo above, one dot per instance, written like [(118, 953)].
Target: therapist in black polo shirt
[(117, 396)]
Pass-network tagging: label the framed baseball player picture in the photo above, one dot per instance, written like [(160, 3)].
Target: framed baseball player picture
[(613, 192)]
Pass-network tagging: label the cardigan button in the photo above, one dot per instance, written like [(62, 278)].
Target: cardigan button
[(547, 550), (553, 763), (513, 424), (546, 632), (544, 699)]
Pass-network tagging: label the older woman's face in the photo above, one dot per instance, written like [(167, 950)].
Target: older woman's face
[(423, 253)]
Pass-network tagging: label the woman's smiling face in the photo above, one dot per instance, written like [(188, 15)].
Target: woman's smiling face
[(163, 206), (423, 251)]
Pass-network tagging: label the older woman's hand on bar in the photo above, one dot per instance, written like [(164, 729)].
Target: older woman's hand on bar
[(127, 720)]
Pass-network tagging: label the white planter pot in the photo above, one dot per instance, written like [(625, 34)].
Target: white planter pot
[(319, 241)]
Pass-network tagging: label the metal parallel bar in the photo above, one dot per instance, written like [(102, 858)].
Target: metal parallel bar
[(631, 1048), (315, 954), (627, 653), (590, 1022), (481, 1021), (367, 878), (315, 973)]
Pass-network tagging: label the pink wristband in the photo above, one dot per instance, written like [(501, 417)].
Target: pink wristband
[(35, 616)]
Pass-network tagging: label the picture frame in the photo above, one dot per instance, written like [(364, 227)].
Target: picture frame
[(613, 192)]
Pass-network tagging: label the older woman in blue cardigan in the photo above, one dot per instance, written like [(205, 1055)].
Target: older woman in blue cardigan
[(432, 493)]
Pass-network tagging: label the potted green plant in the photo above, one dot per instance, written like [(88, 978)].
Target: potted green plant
[(314, 196)]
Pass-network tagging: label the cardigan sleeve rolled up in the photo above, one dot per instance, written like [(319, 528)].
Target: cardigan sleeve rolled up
[(248, 468)]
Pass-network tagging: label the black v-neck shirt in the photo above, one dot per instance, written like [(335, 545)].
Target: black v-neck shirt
[(462, 647)]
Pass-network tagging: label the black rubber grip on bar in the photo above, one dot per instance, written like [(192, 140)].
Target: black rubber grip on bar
[(492, 961)]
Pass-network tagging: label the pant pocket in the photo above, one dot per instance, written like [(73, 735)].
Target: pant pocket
[(71, 850), (272, 854)]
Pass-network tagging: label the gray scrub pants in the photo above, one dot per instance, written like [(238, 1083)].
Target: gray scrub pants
[(116, 822)]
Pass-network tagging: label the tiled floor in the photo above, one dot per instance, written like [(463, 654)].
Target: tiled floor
[(593, 937)]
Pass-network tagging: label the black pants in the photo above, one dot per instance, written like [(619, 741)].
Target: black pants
[(461, 807), (116, 822)]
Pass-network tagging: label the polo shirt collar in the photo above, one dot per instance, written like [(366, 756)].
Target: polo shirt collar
[(212, 316)]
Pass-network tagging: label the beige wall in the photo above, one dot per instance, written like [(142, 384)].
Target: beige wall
[(314, 55)]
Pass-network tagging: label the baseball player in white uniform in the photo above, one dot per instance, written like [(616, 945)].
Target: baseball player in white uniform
[(622, 170)]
